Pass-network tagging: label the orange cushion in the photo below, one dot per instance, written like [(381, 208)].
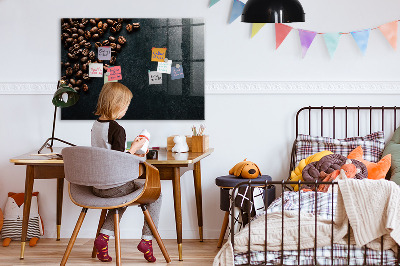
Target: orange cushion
[(375, 170)]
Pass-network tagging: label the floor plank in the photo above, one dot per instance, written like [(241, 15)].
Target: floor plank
[(50, 252)]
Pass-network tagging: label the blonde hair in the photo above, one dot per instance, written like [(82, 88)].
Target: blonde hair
[(113, 98)]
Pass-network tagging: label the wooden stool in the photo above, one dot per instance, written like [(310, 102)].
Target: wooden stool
[(226, 183)]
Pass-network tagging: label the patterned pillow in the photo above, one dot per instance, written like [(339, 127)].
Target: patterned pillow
[(372, 145)]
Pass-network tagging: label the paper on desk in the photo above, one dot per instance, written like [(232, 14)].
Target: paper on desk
[(158, 54), (96, 70), (177, 73), (104, 53), (155, 77), (164, 67)]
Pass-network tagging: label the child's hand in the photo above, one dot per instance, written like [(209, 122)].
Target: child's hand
[(137, 144)]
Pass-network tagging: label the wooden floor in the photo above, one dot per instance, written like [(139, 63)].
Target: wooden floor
[(50, 252)]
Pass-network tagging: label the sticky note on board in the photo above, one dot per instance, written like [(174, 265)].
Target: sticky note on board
[(155, 77), (177, 73), (106, 78), (104, 53), (115, 73), (96, 70), (164, 67), (158, 54)]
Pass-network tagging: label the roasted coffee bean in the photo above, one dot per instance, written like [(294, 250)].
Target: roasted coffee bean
[(70, 85), (113, 46), (76, 67), (75, 41), (136, 25), (113, 60), (85, 52), (105, 67), (93, 22), (85, 67), (84, 59), (100, 24), (100, 61), (65, 35), (74, 30), (88, 35), (82, 43), (129, 28), (85, 21), (92, 55), (72, 81), (75, 35), (69, 71), (121, 39), (72, 56), (120, 20), (113, 30), (65, 26), (81, 32), (111, 39), (81, 38), (79, 74), (76, 88), (88, 45), (113, 52), (67, 64), (118, 48), (81, 25), (106, 42), (95, 36), (94, 30), (71, 49), (110, 21), (101, 32), (97, 20), (76, 46), (70, 21), (97, 45), (78, 82), (69, 40), (85, 76), (85, 87), (105, 26), (118, 27)]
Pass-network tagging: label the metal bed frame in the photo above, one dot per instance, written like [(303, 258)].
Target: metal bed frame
[(283, 184)]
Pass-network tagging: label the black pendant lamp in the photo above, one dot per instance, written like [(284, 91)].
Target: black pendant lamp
[(273, 11)]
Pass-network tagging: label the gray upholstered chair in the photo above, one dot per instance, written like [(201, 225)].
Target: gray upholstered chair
[(85, 167)]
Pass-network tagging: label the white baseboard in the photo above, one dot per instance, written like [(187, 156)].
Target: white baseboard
[(247, 87)]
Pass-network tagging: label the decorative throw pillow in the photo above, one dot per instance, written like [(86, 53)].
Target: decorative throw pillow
[(372, 144), (393, 148), (375, 170)]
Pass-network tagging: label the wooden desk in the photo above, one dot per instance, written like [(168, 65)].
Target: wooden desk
[(171, 167)]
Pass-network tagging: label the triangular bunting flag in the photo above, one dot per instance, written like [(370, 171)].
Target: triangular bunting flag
[(361, 38), (237, 9), (306, 39), (332, 41), (281, 31), (256, 28), (213, 2), (390, 32)]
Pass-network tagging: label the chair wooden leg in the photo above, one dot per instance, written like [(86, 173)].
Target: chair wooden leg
[(101, 222), (154, 230), (73, 237), (117, 239), (223, 229)]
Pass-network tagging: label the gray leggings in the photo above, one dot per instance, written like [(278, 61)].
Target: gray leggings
[(154, 208)]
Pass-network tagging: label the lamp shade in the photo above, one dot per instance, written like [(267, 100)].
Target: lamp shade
[(65, 96), (273, 11)]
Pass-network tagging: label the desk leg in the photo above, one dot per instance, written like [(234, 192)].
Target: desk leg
[(199, 204), (176, 182), (60, 190), (27, 206)]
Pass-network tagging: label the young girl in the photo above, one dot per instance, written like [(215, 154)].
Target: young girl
[(114, 100)]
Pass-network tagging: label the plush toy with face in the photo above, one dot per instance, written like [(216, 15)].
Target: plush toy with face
[(245, 169)]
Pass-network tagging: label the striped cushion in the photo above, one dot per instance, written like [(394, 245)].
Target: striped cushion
[(13, 228), (372, 145)]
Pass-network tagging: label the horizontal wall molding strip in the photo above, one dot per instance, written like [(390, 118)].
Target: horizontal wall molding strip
[(250, 87)]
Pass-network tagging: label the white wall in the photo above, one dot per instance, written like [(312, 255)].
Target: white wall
[(258, 127)]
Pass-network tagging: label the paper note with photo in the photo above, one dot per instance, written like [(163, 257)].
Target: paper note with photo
[(177, 73), (104, 53), (164, 67), (96, 70), (158, 54), (115, 73), (155, 77), (106, 78)]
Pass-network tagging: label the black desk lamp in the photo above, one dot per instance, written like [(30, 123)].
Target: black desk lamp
[(64, 97), (273, 11)]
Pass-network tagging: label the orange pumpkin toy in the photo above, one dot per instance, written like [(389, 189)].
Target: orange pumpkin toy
[(245, 169)]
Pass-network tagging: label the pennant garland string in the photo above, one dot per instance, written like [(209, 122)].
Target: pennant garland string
[(213, 2), (237, 9)]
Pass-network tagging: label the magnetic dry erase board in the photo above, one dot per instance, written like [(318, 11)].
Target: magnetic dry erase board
[(178, 96)]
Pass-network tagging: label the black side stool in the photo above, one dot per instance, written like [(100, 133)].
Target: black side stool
[(226, 183)]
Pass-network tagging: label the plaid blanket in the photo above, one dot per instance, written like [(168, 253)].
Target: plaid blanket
[(323, 205)]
